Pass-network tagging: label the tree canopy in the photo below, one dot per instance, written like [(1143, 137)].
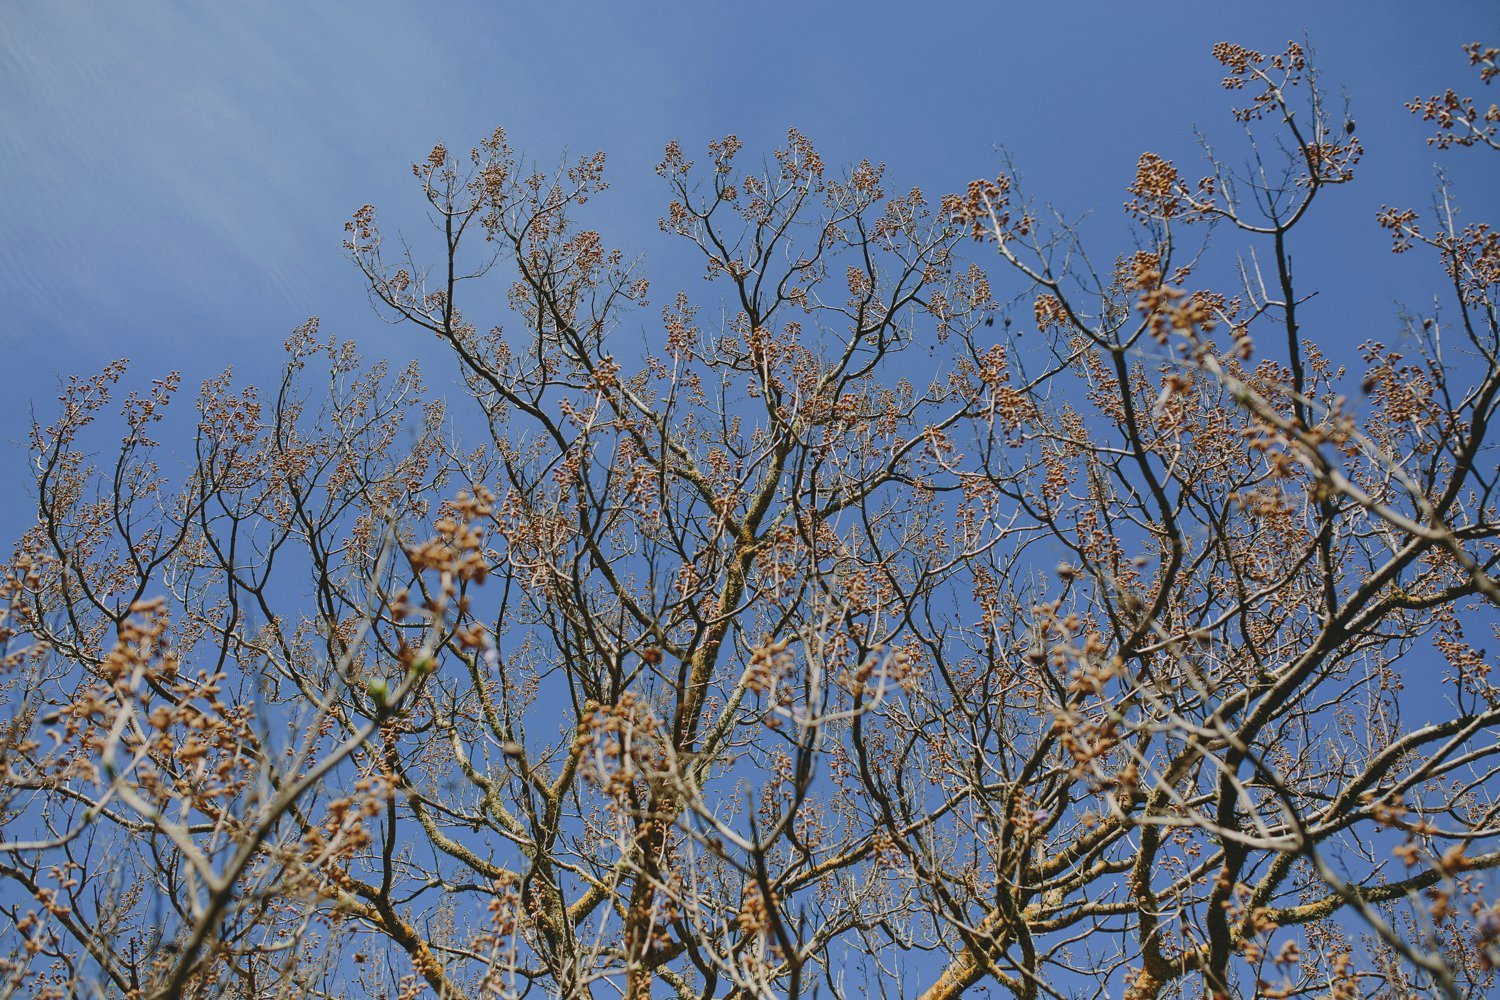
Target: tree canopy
[(928, 605)]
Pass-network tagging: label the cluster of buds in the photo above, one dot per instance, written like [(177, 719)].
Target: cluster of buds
[(1093, 671), (21, 577), (186, 748), (1460, 122), (1171, 310), (343, 832), (896, 666), (37, 938), (1087, 741), (504, 907), (623, 738), (984, 210), (1254, 922), (1265, 503), (1156, 191), (457, 548), (139, 643), (754, 917), (1343, 979), (769, 664), (1276, 73)]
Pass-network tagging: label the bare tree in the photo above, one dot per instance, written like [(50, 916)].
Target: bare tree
[(848, 643)]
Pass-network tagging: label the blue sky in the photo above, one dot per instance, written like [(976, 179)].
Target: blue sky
[(176, 175)]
